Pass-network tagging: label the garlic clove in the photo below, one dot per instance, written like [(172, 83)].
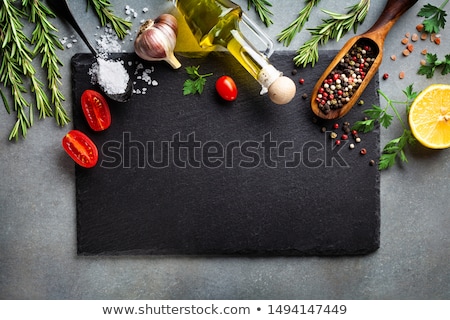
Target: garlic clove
[(156, 40)]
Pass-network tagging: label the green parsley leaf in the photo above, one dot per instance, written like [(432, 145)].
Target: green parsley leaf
[(387, 160), (364, 125), (395, 148), (446, 69), (409, 93), (427, 71), (197, 81), (192, 71), (434, 17), (432, 63), (410, 96), (386, 119), (375, 112)]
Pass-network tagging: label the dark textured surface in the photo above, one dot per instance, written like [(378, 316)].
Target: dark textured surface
[(327, 204), (38, 213)]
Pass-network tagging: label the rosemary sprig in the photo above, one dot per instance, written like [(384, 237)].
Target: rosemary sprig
[(15, 64), (287, 35), (262, 8), (332, 28), (396, 147), (106, 15), (46, 43), (17, 52)]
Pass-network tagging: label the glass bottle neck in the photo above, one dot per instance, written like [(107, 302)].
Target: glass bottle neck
[(252, 60)]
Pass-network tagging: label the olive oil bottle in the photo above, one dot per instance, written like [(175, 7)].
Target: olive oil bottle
[(217, 23)]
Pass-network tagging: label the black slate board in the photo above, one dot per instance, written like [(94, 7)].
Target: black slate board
[(242, 201)]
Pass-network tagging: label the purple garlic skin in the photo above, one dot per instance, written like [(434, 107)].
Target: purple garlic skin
[(156, 40)]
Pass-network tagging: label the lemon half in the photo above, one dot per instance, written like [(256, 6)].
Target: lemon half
[(429, 116)]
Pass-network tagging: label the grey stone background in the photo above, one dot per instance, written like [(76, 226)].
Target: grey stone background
[(37, 205)]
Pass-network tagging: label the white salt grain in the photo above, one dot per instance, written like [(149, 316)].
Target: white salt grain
[(130, 11)]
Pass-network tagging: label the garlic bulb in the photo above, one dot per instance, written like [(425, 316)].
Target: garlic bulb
[(156, 40)]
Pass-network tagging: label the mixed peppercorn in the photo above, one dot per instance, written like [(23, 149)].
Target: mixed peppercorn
[(340, 85), (347, 134)]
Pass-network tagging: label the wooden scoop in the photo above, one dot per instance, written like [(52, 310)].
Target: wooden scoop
[(375, 36)]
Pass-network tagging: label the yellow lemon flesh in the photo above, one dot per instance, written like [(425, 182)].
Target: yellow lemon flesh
[(429, 117)]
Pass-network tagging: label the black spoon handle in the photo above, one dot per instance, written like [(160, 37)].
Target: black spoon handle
[(61, 8)]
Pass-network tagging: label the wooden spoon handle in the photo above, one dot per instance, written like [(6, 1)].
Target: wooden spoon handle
[(392, 11)]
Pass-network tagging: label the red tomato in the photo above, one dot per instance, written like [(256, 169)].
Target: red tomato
[(226, 88), (80, 148), (96, 110)]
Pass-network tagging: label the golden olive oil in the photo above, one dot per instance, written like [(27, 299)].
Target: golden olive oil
[(216, 23), (210, 20)]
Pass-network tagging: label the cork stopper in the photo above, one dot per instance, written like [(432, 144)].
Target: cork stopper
[(282, 90)]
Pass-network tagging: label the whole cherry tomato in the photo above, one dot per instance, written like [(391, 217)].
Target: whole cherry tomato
[(96, 110), (80, 148), (226, 88)]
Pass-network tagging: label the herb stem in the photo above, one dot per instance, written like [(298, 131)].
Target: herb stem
[(287, 35), (391, 104)]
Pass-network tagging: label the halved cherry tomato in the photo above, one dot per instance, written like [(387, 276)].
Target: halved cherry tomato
[(226, 88), (96, 110), (80, 148)]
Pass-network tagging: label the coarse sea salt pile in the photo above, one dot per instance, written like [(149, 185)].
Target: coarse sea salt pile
[(110, 75)]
